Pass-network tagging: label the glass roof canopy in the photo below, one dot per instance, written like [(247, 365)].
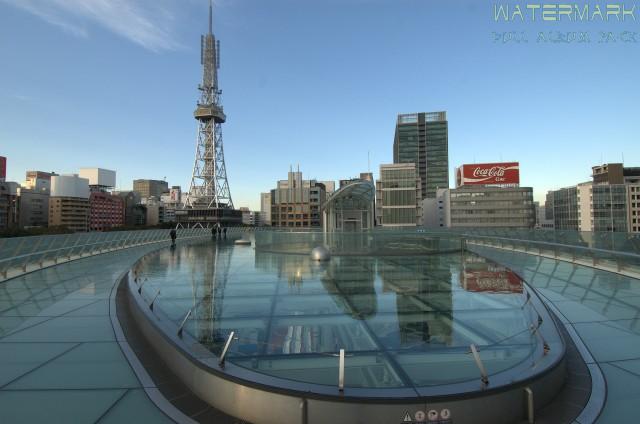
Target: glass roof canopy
[(351, 208), (405, 323)]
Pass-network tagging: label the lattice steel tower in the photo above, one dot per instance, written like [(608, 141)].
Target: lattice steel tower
[(209, 187)]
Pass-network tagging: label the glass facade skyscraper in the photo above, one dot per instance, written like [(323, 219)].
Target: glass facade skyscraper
[(397, 193), (423, 139)]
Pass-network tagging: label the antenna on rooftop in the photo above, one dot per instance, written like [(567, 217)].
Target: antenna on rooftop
[(217, 54), (210, 17)]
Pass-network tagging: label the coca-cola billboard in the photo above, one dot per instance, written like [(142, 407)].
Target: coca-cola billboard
[(479, 275), (507, 173)]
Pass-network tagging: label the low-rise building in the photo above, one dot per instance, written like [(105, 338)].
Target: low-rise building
[(134, 212), (106, 210), (296, 202), (155, 211), (8, 205), (435, 211), (33, 199), (608, 203), (150, 188), (69, 202), (33, 208), (172, 202), (542, 221), (633, 207)]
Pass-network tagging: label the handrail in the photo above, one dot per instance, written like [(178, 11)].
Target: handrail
[(40, 250), (553, 244)]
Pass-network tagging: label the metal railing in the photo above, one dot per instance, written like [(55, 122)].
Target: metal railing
[(531, 331), (24, 254), (621, 262)]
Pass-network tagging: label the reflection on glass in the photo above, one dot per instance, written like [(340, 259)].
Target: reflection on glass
[(480, 275), (403, 320)]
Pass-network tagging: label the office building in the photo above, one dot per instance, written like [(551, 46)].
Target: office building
[(542, 222), (364, 176), (69, 202), (99, 179), (246, 215), (604, 207), (155, 211), (38, 181), (8, 205), (565, 208), (507, 207), (265, 208), (608, 203), (435, 210), (486, 195), (330, 186), (33, 199), (615, 173), (150, 188), (33, 208), (249, 217), (548, 207), (106, 210), (398, 194), (296, 202), (3, 168), (172, 202), (422, 139), (134, 212), (633, 207)]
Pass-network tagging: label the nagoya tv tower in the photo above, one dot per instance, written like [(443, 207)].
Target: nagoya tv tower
[(209, 198)]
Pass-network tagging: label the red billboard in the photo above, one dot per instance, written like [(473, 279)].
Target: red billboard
[(3, 167), (480, 276), (489, 174), (492, 280)]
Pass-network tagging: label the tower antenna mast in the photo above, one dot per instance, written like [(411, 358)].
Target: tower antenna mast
[(209, 188)]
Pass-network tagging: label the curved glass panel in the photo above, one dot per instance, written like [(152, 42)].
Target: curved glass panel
[(403, 321)]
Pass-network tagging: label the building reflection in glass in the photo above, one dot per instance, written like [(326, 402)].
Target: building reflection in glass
[(424, 301), (351, 282), (290, 267), (209, 276), (481, 275)]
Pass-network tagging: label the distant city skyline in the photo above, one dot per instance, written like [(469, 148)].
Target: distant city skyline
[(113, 85)]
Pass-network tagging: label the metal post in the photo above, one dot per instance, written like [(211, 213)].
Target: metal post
[(303, 411), (341, 371), (483, 372), (534, 328), (530, 412), (184, 321), (226, 347), (154, 300)]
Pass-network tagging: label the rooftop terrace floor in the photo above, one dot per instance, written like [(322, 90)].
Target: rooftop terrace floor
[(60, 360)]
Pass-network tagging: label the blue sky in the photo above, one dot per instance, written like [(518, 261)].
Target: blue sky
[(112, 83)]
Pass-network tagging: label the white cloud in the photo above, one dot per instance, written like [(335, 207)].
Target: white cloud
[(148, 23)]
